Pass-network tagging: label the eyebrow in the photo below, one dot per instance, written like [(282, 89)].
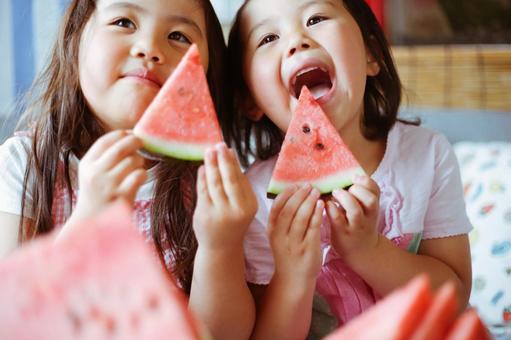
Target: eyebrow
[(170, 18), (307, 4)]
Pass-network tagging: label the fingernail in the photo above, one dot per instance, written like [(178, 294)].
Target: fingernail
[(315, 192), (320, 204), (209, 153), (357, 178)]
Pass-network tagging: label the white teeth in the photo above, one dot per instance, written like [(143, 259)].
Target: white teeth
[(319, 91)]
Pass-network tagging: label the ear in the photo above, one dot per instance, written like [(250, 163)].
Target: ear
[(372, 68), (250, 109)]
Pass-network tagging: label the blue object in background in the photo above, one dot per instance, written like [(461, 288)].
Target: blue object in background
[(27, 32)]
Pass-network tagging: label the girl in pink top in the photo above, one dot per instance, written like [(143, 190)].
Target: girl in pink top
[(406, 217)]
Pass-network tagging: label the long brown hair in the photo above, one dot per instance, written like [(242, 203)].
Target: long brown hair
[(63, 125), (382, 96)]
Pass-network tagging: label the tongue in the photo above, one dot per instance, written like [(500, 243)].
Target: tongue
[(319, 91)]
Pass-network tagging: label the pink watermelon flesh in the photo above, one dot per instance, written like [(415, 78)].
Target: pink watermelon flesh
[(393, 318), (312, 152), (468, 327), (440, 315), (102, 282), (181, 121)]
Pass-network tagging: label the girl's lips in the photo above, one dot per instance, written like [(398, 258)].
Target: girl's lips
[(144, 76)]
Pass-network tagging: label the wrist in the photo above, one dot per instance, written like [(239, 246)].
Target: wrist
[(232, 257), (294, 287), (365, 255)]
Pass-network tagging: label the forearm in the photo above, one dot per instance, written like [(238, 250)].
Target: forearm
[(219, 295), (285, 312), (388, 266)]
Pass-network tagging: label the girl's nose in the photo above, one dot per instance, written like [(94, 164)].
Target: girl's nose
[(298, 44), (147, 51)]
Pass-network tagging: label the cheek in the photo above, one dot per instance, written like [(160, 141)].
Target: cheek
[(99, 62), (263, 78)]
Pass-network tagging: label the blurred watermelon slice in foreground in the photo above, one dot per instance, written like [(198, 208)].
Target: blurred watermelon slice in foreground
[(413, 312), (312, 152), (102, 282), (181, 121)]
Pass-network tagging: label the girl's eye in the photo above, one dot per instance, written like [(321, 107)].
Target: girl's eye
[(123, 22), (268, 39), (178, 36), (315, 20)]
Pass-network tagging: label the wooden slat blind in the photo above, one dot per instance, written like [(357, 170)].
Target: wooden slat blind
[(464, 76)]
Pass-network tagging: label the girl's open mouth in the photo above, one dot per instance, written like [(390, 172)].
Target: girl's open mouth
[(316, 78)]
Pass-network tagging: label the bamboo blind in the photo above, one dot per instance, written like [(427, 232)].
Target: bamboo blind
[(464, 76)]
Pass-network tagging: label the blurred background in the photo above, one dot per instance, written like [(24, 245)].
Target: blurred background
[(454, 59)]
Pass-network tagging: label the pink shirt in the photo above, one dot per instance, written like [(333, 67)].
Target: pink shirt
[(421, 198)]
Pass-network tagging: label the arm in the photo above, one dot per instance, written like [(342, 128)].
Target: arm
[(226, 205), (378, 261), (387, 266), (285, 309)]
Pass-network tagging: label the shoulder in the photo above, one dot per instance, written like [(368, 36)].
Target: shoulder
[(21, 142), (417, 148), (417, 138), (15, 150)]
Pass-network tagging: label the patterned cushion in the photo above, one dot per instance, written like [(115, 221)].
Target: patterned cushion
[(486, 175)]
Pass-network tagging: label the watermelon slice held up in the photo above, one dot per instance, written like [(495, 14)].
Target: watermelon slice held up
[(312, 152), (101, 282), (181, 121)]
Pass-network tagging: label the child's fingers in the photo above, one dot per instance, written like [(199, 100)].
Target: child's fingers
[(104, 142), (354, 212), (313, 233), (213, 178), (337, 219), (130, 185), (278, 205), (289, 210), (368, 183), (303, 216), (125, 167), (368, 199), (121, 149), (202, 188), (231, 174)]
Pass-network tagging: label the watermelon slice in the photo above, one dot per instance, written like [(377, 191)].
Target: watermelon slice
[(468, 327), (181, 121), (393, 318), (312, 152), (102, 282), (440, 315)]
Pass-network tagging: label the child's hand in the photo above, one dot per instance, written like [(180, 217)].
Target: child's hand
[(354, 222), (294, 233), (109, 171), (226, 203)]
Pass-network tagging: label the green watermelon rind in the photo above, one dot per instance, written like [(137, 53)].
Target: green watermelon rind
[(325, 185), (188, 151)]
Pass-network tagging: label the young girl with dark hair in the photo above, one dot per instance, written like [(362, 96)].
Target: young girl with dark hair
[(405, 217), (78, 154)]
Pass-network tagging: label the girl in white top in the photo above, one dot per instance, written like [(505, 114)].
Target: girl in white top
[(405, 217), (110, 60)]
